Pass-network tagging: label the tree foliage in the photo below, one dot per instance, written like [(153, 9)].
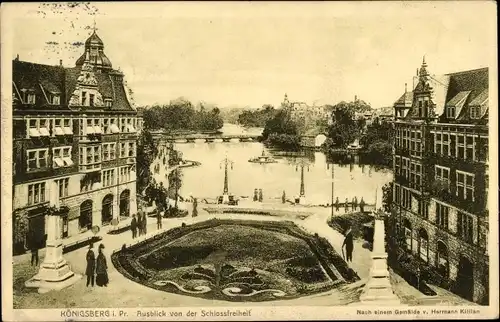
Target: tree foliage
[(257, 118), (180, 115), (387, 196), (146, 153), (344, 128), (282, 131)]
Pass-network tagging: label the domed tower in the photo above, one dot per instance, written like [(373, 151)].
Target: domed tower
[(94, 54)]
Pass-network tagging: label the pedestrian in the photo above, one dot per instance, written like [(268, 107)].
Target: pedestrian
[(195, 207), (90, 270), (283, 197), (349, 244), (144, 223), (139, 223), (354, 203), (362, 205), (101, 268), (346, 205), (34, 244), (260, 195), (337, 204), (255, 195), (158, 219), (133, 226)]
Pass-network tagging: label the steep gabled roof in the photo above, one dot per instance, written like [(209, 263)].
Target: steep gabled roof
[(475, 82), (406, 100)]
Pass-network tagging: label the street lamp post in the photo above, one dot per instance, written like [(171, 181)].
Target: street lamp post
[(225, 192), (333, 185), (302, 164)]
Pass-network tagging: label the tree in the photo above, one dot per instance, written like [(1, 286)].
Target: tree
[(282, 131), (146, 153), (344, 128), (387, 190)]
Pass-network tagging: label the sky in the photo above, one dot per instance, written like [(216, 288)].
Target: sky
[(250, 54)]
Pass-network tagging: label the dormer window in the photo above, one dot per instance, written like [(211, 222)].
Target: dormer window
[(84, 98), (91, 99), (108, 103), (475, 112), (450, 112), (31, 98), (56, 100)]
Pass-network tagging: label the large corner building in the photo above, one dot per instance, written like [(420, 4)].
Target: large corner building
[(74, 145), (440, 194)]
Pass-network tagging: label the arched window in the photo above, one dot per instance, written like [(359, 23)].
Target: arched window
[(407, 234), (423, 245), (107, 209), (125, 203), (442, 262), (85, 219)]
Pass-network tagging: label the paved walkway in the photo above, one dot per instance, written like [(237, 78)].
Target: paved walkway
[(123, 292)]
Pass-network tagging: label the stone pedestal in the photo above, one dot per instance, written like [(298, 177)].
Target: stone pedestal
[(54, 272), (378, 290), (225, 198)]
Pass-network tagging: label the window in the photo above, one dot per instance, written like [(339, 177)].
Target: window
[(408, 238), (84, 98), (33, 128), (97, 126), (406, 166), (123, 126), (131, 149), (113, 126), (105, 126), (415, 175), (62, 157), (442, 212), (460, 146), (406, 198), (475, 112), (108, 151), (423, 209), (470, 147), (124, 174), (68, 128), (37, 159), (90, 127), (442, 176), (91, 99), (36, 193), (465, 227), (465, 185), (63, 187), (450, 112), (122, 150), (31, 98), (108, 178), (397, 164), (420, 105), (423, 245), (43, 127), (441, 143), (91, 157), (56, 100), (108, 103)]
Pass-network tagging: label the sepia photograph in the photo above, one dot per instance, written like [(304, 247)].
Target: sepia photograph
[(249, 160)]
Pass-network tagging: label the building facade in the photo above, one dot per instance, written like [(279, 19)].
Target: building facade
[(74, 145), (440, 188)]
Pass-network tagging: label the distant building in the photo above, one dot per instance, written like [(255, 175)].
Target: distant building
[(74, 144), (303, 111), (440, 195)]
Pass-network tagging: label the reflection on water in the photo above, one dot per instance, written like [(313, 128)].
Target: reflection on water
[(207, 180)]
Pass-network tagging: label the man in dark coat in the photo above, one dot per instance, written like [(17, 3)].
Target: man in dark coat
[(158, 219), (139, 222), (337, 204), (90, 270), (354, 203), (346, 205), (362, 205), (133, 226), (144, 223), (349, 244), (34, 244)]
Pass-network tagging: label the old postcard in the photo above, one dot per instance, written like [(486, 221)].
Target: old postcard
[(249, 161)]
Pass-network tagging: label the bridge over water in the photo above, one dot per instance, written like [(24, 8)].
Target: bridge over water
[(190, 138)]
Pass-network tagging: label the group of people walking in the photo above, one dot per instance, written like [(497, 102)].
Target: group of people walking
[(97, 268), (354, 204), (139, 224), (257, 195)]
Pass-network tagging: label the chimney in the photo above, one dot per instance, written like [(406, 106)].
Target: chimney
[(17, 57), (355, 98), (406, 88), (60, 62)]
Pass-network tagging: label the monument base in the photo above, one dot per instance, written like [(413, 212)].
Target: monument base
[(225, 199), (46, 282), (378, 291)]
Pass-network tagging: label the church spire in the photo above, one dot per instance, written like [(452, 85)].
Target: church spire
[(423, 69)]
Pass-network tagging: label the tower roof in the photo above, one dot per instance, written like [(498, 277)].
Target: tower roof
[(94, 40), (94, 53)]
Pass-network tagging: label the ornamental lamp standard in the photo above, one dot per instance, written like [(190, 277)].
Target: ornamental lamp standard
[(225, 193), (332, 165), (302, 164)]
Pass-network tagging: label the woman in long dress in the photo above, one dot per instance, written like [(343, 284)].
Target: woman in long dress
[(101, 268)]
